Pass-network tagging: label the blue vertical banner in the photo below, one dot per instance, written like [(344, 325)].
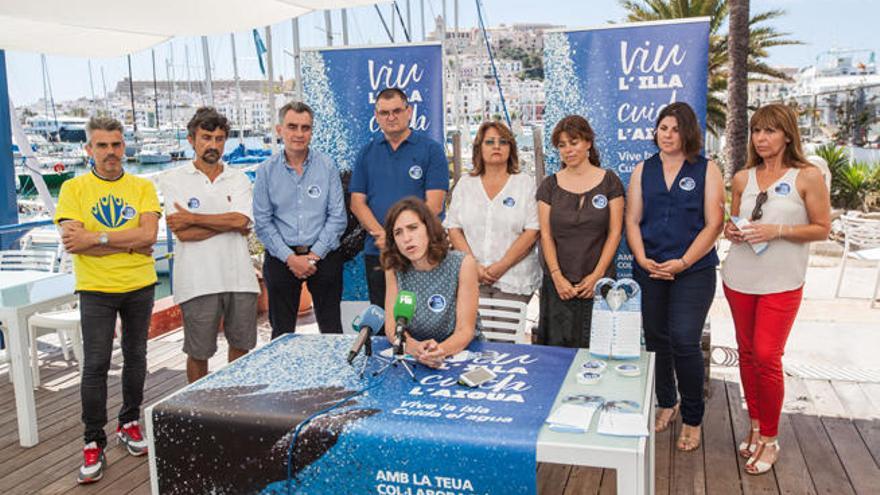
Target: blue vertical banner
[(341, 85), (9, 199), (620, 77)]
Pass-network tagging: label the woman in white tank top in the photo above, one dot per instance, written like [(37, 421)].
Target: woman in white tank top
[(786, 205)]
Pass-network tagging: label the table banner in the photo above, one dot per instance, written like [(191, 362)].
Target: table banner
[(230, 432), (341, 85), (620, 77)]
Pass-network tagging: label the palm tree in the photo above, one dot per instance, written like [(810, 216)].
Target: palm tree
[(761, 38), (738, 91)]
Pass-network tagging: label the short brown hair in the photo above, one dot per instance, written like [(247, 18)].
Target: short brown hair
[(576, 127), (782, 117), (477, 156), (103, 124), (207, 119), (688, 128), (438, 242)]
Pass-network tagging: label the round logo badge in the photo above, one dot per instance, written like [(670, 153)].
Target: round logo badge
[(313, 191), (437, 303), (415, 172), (783, 189), (687, 184), (193, 203), (128, 212), (600, 201), (509, 202)]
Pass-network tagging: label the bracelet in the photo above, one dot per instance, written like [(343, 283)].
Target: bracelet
[(779, 231), (556, 270), (684, 263)]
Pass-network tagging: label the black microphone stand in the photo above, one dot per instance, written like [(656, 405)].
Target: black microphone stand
[(368, 352), (399, 353)]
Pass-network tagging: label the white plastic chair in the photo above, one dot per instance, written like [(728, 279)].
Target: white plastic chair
[(861, 241), (504, 320), (27, 259), (24, 259), (64, 322)]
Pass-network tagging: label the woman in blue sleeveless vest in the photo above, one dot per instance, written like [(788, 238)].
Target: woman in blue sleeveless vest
[(673, 218), (417, 258)]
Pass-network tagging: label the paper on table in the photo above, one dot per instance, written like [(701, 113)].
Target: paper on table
[(572, 417), (622, 424)]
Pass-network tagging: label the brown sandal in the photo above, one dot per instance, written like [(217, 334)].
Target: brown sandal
[(661, 425), (689, 439)]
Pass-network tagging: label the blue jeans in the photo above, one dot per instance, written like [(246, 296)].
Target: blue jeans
[(673, 314), (98, 312)]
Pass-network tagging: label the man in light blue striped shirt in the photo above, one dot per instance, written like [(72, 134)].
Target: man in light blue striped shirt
[(299, 215)]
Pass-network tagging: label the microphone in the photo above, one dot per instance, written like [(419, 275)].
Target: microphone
[(370, 321), (404, 308)]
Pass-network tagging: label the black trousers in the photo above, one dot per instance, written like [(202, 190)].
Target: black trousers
[(673, 314), (98, 312), (563, 323), (375, 279), (284, 292)]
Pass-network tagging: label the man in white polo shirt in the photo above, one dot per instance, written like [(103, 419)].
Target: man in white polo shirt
[(208, 207)]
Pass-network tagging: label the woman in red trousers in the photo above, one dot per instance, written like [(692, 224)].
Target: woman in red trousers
[(782, 205)]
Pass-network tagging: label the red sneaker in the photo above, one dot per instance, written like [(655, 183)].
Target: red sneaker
[(92, 468), (130, 435)]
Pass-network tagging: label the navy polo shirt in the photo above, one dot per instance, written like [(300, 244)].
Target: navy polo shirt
[(385, 176)]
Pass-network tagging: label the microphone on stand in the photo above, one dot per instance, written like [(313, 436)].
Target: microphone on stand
[(368, 323), (404, 308)]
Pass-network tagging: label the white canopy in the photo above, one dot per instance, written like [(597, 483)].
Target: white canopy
[(102, 28)]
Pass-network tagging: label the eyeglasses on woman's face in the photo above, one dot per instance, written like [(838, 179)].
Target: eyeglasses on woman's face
[(492, 142)]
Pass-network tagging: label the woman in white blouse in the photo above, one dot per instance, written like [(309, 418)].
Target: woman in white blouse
[(494, 217)]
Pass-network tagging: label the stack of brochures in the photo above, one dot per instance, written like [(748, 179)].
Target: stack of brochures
[(622, 418), (575, 414)]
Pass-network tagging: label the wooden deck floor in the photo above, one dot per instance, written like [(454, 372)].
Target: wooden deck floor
[(830, 437)]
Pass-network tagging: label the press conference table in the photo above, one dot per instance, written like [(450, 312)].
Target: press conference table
[(23, 293), (632, 457)]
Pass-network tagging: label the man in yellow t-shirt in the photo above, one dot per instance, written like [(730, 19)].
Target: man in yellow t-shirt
[(109, 221)]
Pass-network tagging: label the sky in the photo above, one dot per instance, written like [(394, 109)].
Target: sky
[(820, 24)]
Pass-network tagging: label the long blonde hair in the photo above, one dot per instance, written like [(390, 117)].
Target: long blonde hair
[(782, 117)]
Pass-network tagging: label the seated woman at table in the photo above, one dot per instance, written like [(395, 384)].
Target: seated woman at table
[(417, 258)]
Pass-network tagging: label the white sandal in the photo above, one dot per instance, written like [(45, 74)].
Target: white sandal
[(755, 465), (748, 447)]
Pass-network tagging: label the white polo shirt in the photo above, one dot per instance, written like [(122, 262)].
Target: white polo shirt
[(221, 263)]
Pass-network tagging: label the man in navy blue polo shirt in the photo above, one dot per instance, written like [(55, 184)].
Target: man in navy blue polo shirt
[(397, 164)]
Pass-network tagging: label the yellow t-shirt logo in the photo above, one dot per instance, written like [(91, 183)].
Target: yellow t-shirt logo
[(112, 212)]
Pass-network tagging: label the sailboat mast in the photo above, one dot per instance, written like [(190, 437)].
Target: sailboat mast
[(206, 55), (134, 123), (239, 118), (155, 88), (270, 76)]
